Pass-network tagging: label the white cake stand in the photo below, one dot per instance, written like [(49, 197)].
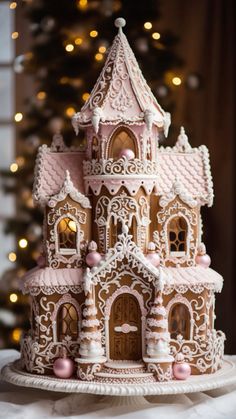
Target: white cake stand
[(225, 376)]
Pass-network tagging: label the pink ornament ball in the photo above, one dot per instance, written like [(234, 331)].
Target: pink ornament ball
[(203, 260), (181, 370), (154, 259), (93, 258), (63, 367), (128, 153)]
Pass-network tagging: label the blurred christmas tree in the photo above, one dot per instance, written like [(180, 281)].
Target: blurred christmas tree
[(70, 40)]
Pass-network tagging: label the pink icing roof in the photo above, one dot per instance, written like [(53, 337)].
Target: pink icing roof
[(192, 170), (49, 277), (191, 276), (121, 93), (50, 172)]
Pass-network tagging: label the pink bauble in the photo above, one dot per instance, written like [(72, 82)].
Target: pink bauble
[(128, 153), (63, 367), (203, 260), (181, 370), (93, 259), (154, 259), (41, 261)]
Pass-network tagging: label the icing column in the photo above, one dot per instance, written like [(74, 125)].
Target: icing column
[(91, 350), (158, 360)]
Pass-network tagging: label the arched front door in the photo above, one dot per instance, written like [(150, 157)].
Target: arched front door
[(125, 332)]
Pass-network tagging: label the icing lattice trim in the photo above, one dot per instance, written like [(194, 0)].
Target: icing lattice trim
[(121, 166)]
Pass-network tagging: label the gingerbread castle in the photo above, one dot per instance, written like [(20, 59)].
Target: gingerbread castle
[(125, 283)]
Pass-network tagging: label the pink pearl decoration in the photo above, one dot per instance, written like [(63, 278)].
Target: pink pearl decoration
[(63, 367), (93, 257), (41, 261), (203, 260), (154, 259), (181, 369), (128, 153)]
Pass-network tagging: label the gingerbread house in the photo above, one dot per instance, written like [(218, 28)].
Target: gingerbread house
[(124, 284)]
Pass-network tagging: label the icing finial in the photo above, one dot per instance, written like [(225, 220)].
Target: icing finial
[(120, 22)]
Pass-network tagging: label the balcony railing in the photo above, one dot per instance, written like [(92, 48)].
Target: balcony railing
[(122, 166)]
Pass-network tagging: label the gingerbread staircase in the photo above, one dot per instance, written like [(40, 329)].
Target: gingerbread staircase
[(124, 372)]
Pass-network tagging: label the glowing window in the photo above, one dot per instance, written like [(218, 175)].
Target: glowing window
[(67, 236), (177, 232)]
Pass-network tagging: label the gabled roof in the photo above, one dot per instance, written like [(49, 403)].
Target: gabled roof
[(50, 172), (121, 93), (124, 249)]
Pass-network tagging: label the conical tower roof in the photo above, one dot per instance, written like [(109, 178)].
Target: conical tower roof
[(121, 94)]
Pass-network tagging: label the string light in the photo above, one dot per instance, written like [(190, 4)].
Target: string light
[(70, 111), (20, 161), (12, 257), (16, 334), (15, 35), (98, 56), (18, 117), (83, 4), (13, 5), (64, 80), (85, 96), (41, 95), (78, 41), (156, 35), (69, 47), (147, 25), (23, 243), (176, 81), (14, 167), (93, 34), (102, 49), (13, 298)]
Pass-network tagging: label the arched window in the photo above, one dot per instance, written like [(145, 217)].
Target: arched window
[(67, 236), (121, 139), (115, 231), (179, 321), (67, 322), (177, 233)]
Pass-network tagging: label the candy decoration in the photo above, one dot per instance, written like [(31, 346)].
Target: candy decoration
[(63, 367), (181, 369), (93, 257), (202, 258), (152, 256), (128, 153)]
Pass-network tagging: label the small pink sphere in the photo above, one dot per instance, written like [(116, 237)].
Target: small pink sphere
[(203, 260), (63, 367), (181, 370), (128, 153), (41, 261), (93, 258), (154, 259)]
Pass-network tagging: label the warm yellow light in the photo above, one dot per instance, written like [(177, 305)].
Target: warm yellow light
[(147, 25), (12, 257), (18, 117), (72, 225), (102, 49), (70, 111), (41, 95), (93, 34), (98, 56), (85, 96), (15, 35), (156, 35), (23, 243), (13, 5), (64, 80), (16, 334), (83, 3), (13, 298), (176, 81), (69, 47), (14, 167), (78, 41), (20, 160)]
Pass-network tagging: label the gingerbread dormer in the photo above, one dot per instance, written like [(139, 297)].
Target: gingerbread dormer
[(59, 189)]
